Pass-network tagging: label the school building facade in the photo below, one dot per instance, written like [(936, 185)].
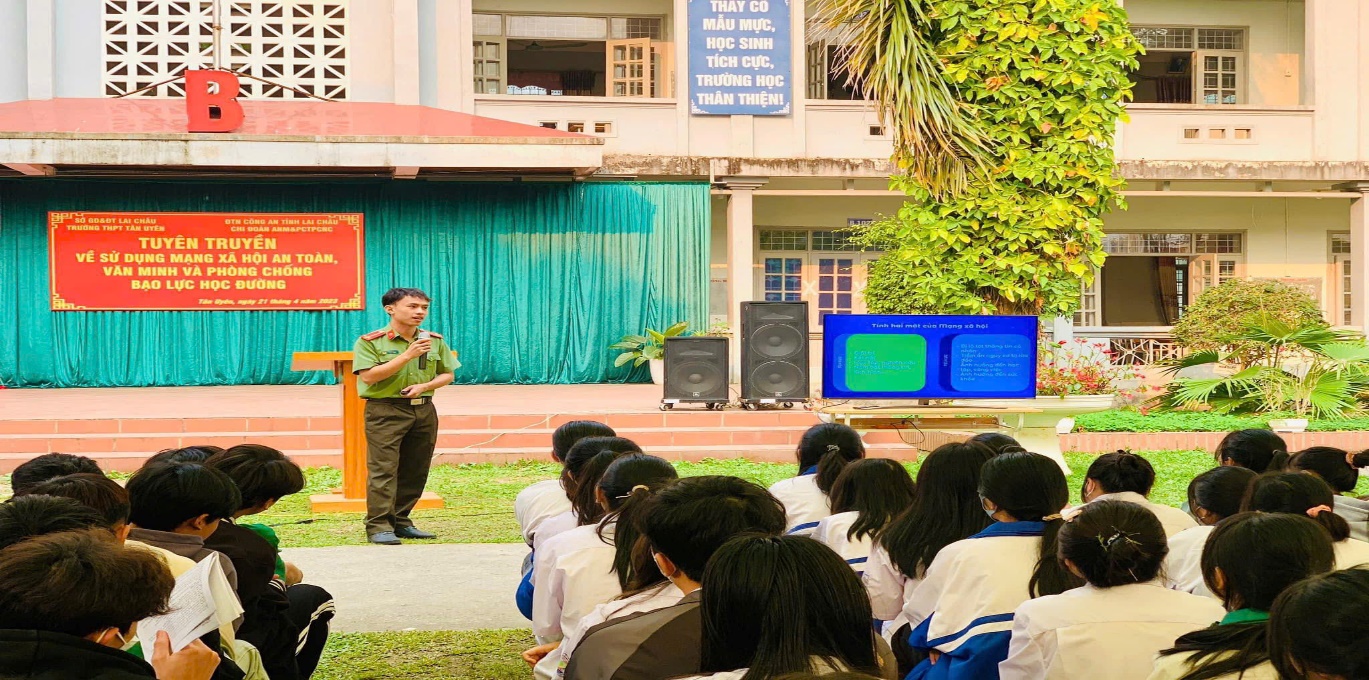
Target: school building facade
[(1246, 152)]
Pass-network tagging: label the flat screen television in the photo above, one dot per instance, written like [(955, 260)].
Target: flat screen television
[(895, 356)]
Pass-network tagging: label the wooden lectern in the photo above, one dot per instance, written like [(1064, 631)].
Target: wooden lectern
[(352, 496)]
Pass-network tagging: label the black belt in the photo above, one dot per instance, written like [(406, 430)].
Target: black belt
[(403, 401)]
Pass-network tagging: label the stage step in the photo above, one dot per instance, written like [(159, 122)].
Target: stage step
[(122, 444)]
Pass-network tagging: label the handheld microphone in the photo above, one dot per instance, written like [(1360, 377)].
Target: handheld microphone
[(423, 360)]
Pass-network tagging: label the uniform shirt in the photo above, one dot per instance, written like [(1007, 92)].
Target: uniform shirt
[(378, 347), (657, 597), (1112, 633), (646, 646), (804, 503), (1351, 553), (889, 588), (573, 574), (832, 531), (1183, 566), (1356, 512), (538, 502), (269, 535), (1172, 519), (1176, 666), (964, 606), (552, 527)]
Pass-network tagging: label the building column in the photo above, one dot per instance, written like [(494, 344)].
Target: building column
[(408, 86), (1359, 254), (41, 36), (741, 256)]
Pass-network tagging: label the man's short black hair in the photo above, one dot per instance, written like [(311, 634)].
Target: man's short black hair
[(262, 473), (1122, 471), (394, 295), (164, 497), (690, 519), (80, 582), (24, 517), (97, 492), (35, 471)]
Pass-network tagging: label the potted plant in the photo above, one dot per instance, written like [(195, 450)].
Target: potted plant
[(648, 349)]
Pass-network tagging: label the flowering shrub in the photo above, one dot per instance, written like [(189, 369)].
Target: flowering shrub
[(1067, 369)]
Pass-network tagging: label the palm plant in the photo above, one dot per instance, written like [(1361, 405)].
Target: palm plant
[(887, 55), (1308, 370)]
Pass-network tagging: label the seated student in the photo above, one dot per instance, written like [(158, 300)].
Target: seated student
[(39, 469), (590, 565), (1297, 493), (1125, 476), (263, 476), (1212, 497), (1340, 469), (945, 508), (823, 451), (190, 454), (961, 613), (50, 628), (1316, 627), (1258, 450), (1250, 559), (24, 517), (110, 500), (683, 526), (996, 442), (764, 616), (548, 498), (1113, 627), (176, 506), (867, 495)]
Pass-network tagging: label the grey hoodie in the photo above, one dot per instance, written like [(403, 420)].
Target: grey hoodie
[(1356, 512)]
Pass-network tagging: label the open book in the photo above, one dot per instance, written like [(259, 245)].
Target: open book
[(193, 612)]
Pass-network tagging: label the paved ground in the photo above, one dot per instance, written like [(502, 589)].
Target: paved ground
[(417, 587)]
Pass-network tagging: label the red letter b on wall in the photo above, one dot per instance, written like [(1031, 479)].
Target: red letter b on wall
[(216, 111)]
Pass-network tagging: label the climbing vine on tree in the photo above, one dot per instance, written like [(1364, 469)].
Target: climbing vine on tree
[(1045, 81)]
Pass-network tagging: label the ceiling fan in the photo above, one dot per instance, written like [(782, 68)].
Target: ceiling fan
[(535, 46)]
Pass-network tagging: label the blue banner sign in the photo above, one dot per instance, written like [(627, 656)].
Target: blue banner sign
[(740, 59)]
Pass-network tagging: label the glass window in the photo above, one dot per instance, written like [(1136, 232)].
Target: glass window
[(1221, 39), (1217, 243), (1164, 37), (831, 239), (536, 26), (625, 28), (783, 279), (784, 239), (1340, 244), (487, 24)]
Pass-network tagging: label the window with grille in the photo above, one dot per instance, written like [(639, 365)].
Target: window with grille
[(1221, 39), (831, 239), (1186, 65), (836, 286), (300, 45), (784, 239), (1164, 37), (555, 27), (1217, 243), (626, 28), (1174, 244), (783, 279), (487, 24), (1340, 263)]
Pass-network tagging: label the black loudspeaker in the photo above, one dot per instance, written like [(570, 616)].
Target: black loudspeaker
[(774, 352), (696, 370)]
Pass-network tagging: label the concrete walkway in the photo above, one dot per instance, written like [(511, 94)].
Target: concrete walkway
[(417, 587)]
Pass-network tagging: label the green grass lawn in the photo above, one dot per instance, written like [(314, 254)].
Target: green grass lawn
[(480, 497), (431, 655)]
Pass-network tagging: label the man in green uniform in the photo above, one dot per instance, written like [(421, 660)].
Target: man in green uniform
[(399, 367)]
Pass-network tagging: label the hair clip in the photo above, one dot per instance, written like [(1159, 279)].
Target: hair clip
[(1313, 512), (1050, 518), (1118, 535), (634, 490), (1350, 458), (833, 448)]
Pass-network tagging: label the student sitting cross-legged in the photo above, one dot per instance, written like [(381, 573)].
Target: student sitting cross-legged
[(1113, 626), (68, 605), (868, 494), (1212, 497), (1340, 469), (823, 451), (263, 476), (1258, 450), (685, 523), (775, 605), (548, 498), (1125, 476), (1250, 559)]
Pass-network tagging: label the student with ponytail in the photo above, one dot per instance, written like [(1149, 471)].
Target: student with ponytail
[(1340, 469), (1297, 493), (1250, 558), (548, 498), (594, 563), (1258, 450), (1125, 476), (962, 611), (585, 462), (1113, 627), (1212, 497), (868, 494), (1316, 628), (823, 452)]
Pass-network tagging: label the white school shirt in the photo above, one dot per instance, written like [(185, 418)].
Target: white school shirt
[(656, 597), (1351, 553), (1112, 633), (537, 503), (804, 503), (1356, 512), (573, 574), (888, 587), (1172, 519), (1176, 666), (832, 531), (552, 527), (1184, 564)]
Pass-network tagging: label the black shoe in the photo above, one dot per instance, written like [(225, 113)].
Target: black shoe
[(413, 532), (384, 538)]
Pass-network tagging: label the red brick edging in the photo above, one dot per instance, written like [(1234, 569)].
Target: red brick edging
[(1105, 442)]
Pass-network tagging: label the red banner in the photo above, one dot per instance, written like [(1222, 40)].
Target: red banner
[(205, 261)]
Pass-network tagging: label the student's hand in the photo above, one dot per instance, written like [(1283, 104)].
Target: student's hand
[(293, 575), (414, 391), (195, 662), (532, 656)]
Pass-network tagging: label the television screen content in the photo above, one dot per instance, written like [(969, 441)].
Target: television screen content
[(889, 356)]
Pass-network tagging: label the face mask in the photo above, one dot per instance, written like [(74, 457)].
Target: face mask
[(987, 511)]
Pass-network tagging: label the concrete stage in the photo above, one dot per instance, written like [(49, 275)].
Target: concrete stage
[(120, 427)]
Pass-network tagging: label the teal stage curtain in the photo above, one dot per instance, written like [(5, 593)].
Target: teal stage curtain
[(530, 282)]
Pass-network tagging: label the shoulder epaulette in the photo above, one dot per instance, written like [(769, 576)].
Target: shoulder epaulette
[(435, 335), (373, 335)]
